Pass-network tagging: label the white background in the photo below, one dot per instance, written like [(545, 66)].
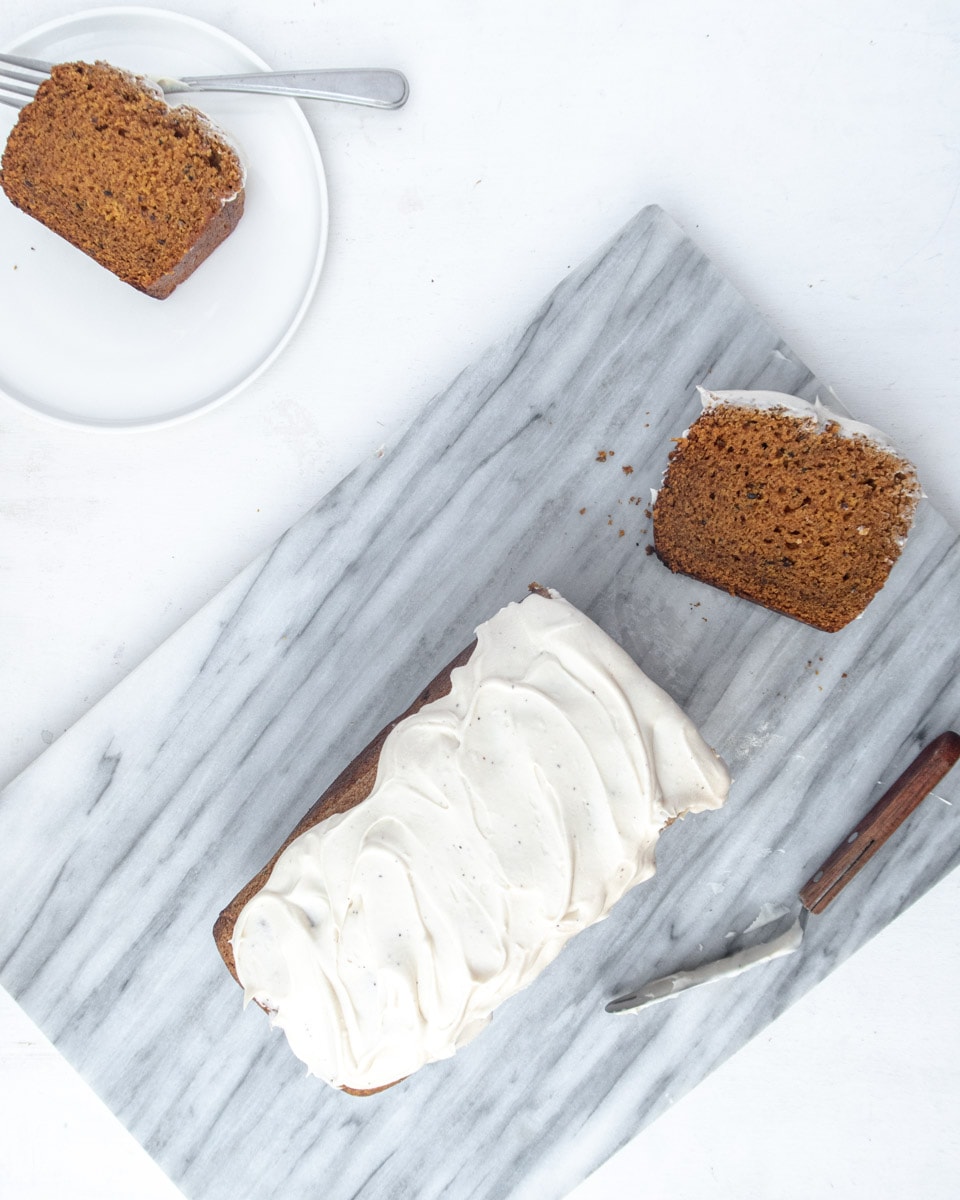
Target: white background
[(813, 150)]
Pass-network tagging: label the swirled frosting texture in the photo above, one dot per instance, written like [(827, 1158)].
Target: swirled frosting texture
[(505, 818)]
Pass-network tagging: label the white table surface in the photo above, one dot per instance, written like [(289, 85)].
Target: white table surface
[(811, 149)]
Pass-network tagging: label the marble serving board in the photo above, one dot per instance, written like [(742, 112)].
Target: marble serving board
[(121, 843)]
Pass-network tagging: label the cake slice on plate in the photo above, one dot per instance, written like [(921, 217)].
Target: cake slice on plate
[(146, 189)]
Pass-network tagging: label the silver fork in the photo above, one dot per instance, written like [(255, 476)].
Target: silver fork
[(377, 88)]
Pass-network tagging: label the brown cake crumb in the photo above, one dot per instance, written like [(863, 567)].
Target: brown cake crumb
[(804, 520), (146, 189)]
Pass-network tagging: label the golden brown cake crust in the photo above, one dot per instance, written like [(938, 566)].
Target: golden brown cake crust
[(766, 506), (146, 189)]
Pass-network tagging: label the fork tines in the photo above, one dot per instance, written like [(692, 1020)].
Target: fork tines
[(20, 78)]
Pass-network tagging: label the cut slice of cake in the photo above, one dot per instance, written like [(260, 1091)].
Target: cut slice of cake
[(785, 503), (146, 189), (511, 806)]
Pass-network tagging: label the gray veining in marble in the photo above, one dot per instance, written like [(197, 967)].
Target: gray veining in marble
[(121, 843)]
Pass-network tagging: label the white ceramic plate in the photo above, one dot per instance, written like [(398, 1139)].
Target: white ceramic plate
[(80, 346)]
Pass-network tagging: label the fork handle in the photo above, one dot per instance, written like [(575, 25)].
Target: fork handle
[(373, 87), (886, 816)]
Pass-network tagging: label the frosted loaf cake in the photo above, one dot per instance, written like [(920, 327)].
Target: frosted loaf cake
[(512, 806), (785, 503)]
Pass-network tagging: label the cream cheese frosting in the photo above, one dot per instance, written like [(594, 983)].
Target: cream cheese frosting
[(505, 817), (814, 410)]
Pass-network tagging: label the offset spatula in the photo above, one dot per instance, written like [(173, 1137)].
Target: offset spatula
[(852, 854)]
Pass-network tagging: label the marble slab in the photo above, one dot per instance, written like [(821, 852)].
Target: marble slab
[(121, 843)]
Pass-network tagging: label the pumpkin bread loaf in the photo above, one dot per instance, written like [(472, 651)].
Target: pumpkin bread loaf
[(511, 805), (783, 503), (146, 189)]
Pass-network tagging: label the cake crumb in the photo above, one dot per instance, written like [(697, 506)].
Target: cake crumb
[(650, 550), (627, 470)]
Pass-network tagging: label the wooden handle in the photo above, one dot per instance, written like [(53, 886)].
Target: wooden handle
[(887, 815)]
